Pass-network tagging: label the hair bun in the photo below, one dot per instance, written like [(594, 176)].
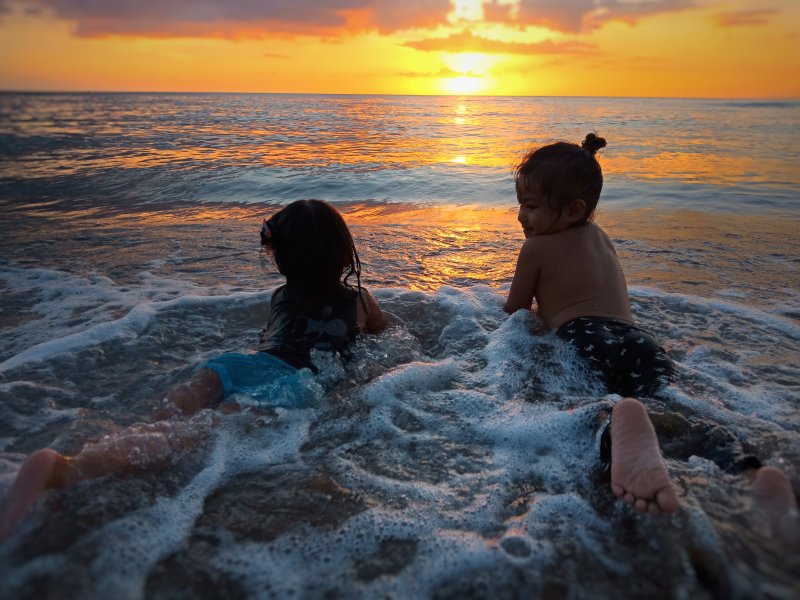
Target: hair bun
[(593, 143)]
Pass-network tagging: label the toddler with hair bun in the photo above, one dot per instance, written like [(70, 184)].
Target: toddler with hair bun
[(568, 267)]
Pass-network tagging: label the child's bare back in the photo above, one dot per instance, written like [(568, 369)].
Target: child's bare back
[(571, 273)]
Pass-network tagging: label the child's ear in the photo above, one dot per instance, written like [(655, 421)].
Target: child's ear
[(576, 209)]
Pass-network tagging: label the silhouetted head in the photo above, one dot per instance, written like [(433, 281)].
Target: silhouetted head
[(311, 246), (562, 173)]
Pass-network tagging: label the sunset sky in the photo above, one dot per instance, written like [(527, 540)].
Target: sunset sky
[(676, 48)]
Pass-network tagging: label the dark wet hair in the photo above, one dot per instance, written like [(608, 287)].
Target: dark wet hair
[(312, 247), (563, 172)]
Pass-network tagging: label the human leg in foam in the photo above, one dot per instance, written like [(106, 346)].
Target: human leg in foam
[(139, 447)]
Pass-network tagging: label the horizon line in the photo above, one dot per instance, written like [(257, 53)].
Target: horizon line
[(444, 95)]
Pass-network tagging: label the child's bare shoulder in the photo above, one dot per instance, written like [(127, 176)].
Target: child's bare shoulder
[(589, 233), (561, 239), (539, 247), (603, 236), (536, 246)]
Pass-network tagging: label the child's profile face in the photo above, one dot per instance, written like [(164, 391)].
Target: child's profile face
[(535, 214)]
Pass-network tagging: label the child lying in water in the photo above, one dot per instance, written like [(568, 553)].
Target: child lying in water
[(317, 308), (569, 267)]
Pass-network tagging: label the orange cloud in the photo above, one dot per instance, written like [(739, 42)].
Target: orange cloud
[(746, 17), (466, 41), (262, 18), (444, 72), (495, 12), (574, 16), (391, 15), (237, 18)]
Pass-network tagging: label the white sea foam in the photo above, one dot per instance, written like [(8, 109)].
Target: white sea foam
[(133, 544), (680, 302), (437, 428), (103, 292)]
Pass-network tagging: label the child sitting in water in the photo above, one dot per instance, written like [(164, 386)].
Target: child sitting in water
[(316, 309)]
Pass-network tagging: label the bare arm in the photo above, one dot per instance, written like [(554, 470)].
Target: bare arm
[(526, 277), (369, 315)]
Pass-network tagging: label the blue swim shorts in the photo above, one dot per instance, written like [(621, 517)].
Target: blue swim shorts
[(261, 379)]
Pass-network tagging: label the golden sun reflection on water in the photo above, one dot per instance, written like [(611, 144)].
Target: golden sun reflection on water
[(61, 135), (442, 245), (677, 251), (427, 247), (704, 166), (410, 151)]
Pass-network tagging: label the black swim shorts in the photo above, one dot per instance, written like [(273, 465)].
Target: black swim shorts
[(629, 359)]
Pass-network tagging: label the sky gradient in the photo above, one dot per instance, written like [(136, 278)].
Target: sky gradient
[(672, 48)]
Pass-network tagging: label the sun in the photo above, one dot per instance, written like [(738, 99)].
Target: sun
[(462, 85), (470, 71)]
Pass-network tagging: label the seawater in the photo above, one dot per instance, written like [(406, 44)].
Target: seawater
[(456, 454)]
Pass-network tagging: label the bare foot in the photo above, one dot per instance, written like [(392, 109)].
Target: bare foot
[(773, 493), (43, 469), (638, 473)]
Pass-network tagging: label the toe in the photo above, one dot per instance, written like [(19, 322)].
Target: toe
[(667, 500)]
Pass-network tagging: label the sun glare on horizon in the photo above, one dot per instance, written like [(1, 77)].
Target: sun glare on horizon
[(461, 85), (471, 72)]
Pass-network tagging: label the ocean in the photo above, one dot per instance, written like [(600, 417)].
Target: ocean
[(455, 455)]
